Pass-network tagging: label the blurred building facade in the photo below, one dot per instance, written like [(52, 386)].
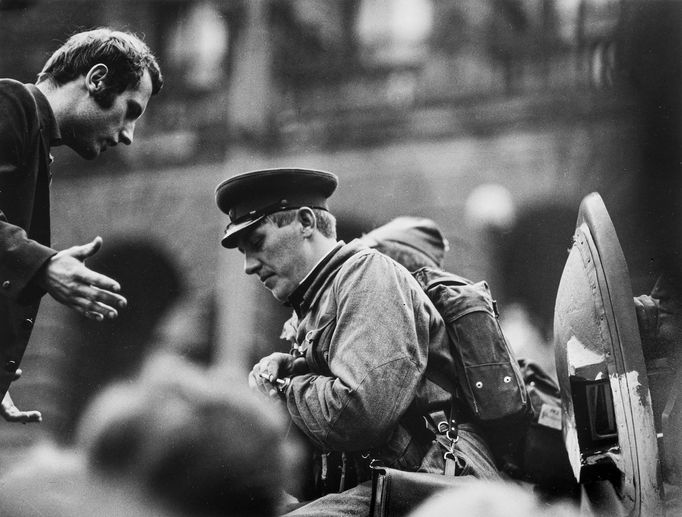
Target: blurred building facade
[(415, 104)]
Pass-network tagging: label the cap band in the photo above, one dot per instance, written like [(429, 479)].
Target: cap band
[(267, 210)]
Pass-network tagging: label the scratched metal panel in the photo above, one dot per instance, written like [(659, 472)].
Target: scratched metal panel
[(601, 368)]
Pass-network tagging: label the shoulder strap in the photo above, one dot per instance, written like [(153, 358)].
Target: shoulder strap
[(429, 277)]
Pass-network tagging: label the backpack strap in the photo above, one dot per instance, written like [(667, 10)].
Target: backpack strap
[(446, 424)]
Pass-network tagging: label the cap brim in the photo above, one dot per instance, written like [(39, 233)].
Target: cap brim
[(231, 236), (253, 189)]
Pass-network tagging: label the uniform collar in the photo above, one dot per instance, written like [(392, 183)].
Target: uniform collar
[(48, 122), (306, 292)]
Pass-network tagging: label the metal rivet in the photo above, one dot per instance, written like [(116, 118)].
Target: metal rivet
[(6, 284), (507, 379), (479, 385)]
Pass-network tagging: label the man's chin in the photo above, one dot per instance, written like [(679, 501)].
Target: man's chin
[(89, 153), (278, 297)]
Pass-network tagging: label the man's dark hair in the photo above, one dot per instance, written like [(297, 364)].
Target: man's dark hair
[(125, 55)]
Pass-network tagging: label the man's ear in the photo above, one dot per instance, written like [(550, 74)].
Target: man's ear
[(94, 80), (308, 221)]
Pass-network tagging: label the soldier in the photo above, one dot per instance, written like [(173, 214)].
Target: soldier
[(367, 339)]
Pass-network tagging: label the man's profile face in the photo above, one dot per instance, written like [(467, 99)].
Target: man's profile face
[(93, 128), (275, 254)]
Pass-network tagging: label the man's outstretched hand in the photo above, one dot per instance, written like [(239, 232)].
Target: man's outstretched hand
[(71, 283)]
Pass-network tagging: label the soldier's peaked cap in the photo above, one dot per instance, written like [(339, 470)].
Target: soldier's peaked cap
[(250, 196)]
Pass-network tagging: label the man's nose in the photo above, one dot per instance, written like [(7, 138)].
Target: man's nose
[(126, 135), (251, 265)]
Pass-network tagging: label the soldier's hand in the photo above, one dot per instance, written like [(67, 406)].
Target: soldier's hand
[(12, 413), (264, 374), (71, 283)]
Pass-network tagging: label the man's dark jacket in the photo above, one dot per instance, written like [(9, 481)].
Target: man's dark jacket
[(27, 127)]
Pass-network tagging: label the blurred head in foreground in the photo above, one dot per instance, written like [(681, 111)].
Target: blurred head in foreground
[(491, 499), (186, 442)]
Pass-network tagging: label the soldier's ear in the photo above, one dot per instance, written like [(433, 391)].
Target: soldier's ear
[(306, 217), (94, 79)]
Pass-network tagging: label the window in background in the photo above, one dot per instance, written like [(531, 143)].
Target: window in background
[(199, 44)]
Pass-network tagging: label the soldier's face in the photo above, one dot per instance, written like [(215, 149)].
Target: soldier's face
[(276, 255)]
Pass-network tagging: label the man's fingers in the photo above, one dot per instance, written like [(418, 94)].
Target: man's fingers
[(100, 281), (275, 367), (30, 416), (93, 310), (269, 385), (273, 370), (267, 369), (108, 298), (14, 414), (93, 302), (99, 312), (94, 286), (258, 382), (25, 416), (91, 298), (35, 416), (252, 381), (86, 250), (95, 316)]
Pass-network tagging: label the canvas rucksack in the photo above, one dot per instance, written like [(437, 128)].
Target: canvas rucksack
[(515, 403), (488, 375)]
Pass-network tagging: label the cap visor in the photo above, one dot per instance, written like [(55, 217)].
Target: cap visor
[(231, 236)]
